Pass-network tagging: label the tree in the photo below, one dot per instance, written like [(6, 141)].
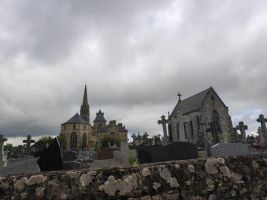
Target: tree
[(43, 141), (62, 140), (8, 147), (109, 139)]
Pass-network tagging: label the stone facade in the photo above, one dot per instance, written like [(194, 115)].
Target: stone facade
[(187, 119)]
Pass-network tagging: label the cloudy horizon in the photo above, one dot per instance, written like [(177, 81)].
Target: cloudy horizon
[(134, 56)]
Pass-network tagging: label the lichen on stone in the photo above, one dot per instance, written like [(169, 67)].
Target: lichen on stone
[(86, 179), (191, 168), (145, 172)]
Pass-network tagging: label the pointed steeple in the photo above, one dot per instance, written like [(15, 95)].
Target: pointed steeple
[(85, 109)]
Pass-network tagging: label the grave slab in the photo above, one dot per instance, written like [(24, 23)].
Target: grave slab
[(229, 149), (70, 165), (69, 155)]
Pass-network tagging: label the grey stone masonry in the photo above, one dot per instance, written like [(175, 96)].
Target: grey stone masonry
[(229, 149), (29, 166), (242, 129), (84, 155), (163, 121), (3, 160)]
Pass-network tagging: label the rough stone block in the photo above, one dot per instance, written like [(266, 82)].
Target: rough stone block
[(229, 149), (70, 165)]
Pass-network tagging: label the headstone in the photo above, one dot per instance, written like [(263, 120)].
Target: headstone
[(108, 144), (3, 159), (84, 155), (242, 129), (69, 155), (106, 154), (23, 166), (158, 153), (163, 121), (70, 165), (262, 132), (133, 136), (51, 158), (229, 149), (28, 143)]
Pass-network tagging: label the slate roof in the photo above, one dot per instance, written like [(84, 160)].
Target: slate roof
[(100, 117), (192, 103), (76, 119), (120, 128)]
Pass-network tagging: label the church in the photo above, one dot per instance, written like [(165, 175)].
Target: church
[(191, 117), (81, 134)]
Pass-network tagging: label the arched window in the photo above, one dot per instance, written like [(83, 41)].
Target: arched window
[(192, 129), (216, 119), (84, 140), (73, 140), (74, 126), (177, 130)]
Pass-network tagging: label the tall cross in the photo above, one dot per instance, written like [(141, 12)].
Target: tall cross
[(28, 144), (242, 129), (213, 129), (179, 95), (163, 121), (262, 120), (133, 136)]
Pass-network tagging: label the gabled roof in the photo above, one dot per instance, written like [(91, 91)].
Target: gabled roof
[(193, 103), (76, 119), (120, 128), (100, 117)]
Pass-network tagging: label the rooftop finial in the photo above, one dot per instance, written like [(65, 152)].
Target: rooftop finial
[(179, 95)]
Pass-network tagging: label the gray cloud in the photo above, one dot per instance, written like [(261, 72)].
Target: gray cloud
[(135, 56)]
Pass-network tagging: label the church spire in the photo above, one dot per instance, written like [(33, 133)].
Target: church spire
[(85, 109)]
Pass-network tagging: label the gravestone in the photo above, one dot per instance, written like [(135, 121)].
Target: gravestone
[(106, 154), (163, 121), (242, 129), (69, 155), (28, 144), (229, 149), (84, 155), (262, 132), (70, 165), (27, 165), (3, 159), (51, 158), (173, 151)]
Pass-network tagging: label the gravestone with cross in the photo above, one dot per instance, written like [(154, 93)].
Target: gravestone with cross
[(145, 138), (3, 160), (263, 132), (242, 129), (163, 121), (133, 136), (28, 144)]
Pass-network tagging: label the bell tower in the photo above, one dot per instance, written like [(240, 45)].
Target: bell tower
[(85, 109)]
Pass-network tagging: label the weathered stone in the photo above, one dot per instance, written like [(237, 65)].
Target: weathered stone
[(229, 149)]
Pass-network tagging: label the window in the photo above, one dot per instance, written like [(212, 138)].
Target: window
[(74, 126), (112, 133), (177, 130), (84, 140), (64, 127), (73, 140), (185, 132), (191, 127), (212, 98), (198, 123), (216, 119)]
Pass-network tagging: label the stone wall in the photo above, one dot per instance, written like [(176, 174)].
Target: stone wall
[(236, 177)]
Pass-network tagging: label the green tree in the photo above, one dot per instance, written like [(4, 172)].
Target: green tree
[(96, 148), (62, 140), (8, 147), (43, 141), (110, 139)]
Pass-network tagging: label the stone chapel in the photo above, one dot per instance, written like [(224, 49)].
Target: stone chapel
[(190, 118), (79, 132)]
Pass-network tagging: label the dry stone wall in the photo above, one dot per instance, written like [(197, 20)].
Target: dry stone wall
[(235, 177)]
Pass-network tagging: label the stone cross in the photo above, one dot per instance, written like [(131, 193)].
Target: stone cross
[(153, 143), (47, 145), (28, 144), (145, 137), (3, 160), (262, 139), (179, 95), (262, 120), (109, 144), (225, 136), (242, 129), (213, 129), (133, 136), (163, 121)]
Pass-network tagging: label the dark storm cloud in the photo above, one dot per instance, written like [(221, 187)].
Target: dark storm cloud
[(135, 57)]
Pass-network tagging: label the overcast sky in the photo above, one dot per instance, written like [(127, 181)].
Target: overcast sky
[(135, 57)]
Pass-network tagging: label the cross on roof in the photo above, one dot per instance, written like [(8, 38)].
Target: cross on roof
[(179, 95)]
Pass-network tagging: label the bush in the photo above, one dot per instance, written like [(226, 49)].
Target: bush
[(132, 159), (8, 147), (95, 148), (110, 139), (43, 141)]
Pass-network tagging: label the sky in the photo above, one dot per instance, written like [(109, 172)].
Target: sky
[(134, 56)]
